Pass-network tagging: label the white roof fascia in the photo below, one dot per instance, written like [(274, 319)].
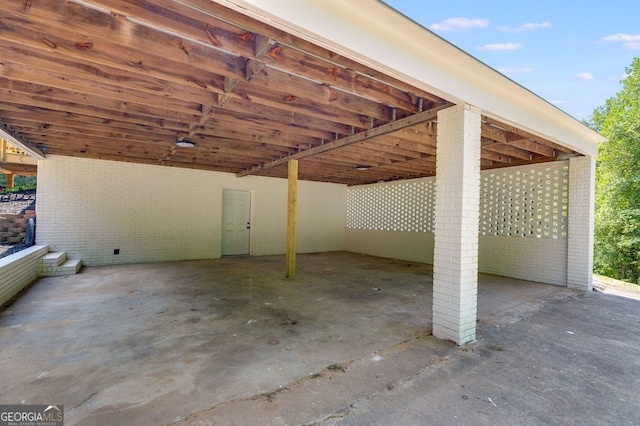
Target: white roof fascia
[(374, 34), (13, 140)]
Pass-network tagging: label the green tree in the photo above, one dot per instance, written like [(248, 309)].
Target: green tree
[(20, 183), (617, 216)]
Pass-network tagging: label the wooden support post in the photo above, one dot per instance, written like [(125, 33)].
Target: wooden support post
[(9, 180), (291, 218)]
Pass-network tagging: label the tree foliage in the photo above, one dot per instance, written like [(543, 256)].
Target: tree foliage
[(20, 183), (617, 216)]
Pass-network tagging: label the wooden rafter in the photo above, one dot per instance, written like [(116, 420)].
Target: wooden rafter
[(420, 117), (122, 80)]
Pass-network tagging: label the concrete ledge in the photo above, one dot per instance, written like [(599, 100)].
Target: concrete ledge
[(19, 270)]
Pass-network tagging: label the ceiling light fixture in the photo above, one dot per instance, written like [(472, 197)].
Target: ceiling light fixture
[(185, 143), (362, 168)]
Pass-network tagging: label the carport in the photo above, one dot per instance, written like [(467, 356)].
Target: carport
[(181, 130)]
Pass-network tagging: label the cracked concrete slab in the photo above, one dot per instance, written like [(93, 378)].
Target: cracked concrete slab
[(572, 362), (231, 341)]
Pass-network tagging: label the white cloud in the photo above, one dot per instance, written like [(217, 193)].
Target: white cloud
[(501, 46), (584, 76), (618, 78), (529, 26), (558, 102), (460, 24), (515, 70), (630, 41)]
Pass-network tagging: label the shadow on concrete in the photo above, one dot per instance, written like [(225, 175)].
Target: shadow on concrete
[(231, 341)]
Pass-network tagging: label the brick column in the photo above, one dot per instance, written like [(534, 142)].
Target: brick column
[(455, 264), (582, 172)]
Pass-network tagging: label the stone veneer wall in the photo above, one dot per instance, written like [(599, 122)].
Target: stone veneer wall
[(13, 227)]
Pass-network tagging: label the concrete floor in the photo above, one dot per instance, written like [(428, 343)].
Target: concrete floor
[(156, 343)]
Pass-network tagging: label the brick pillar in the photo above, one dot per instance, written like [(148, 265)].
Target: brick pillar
[(582, 172), (455, 264)]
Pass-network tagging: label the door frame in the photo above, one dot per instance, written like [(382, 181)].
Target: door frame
[(251, 215)]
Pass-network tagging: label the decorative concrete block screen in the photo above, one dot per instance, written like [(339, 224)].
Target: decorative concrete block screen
[(526, 201), (402, 206)]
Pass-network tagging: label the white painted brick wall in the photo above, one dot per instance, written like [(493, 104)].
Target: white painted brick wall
[(533, 259), (581, 218), (411, 246), (19, 270), (539, 187), (455, 265), (88, 208)]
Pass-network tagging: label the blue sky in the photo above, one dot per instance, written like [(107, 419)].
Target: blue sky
[(573, 54)]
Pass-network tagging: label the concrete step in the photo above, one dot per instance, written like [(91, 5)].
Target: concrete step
[(56, 263), (69, 267), (54, 259)]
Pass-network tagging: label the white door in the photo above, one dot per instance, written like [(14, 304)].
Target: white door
[(236, 224)]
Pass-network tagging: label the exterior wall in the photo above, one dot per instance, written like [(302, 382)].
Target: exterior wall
[(381, 223), (88, 208), (523, 221), (411, 246), (533, 259), (19, 270)]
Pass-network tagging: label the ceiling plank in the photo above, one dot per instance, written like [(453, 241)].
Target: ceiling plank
[(285, 52)]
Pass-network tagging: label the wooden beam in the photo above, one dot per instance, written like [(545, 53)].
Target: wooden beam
[(20, 159), (9, 181), (520, 134), (291, 218), (227, 87), (262, 44), (384, 129), (252, 68), (19, 141), (506, 149), (19, 169)]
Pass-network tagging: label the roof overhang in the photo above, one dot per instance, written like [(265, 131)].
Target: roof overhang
[(372, 33)]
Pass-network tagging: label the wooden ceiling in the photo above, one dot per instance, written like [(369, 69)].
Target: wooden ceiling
[(123, 80)]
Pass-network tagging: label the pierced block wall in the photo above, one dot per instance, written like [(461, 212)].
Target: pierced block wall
[(527, 201), (88, 208), (529, 204), (405, 206), (381, 223)]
